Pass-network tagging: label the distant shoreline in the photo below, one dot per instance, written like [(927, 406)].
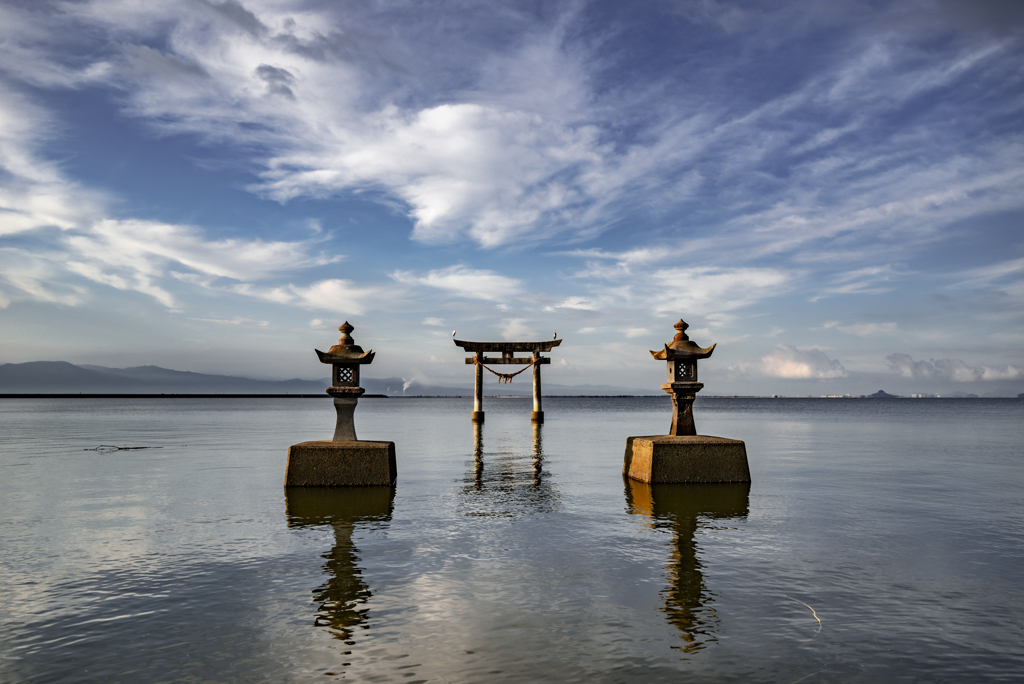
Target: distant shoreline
[(94, 395), (85, 395)]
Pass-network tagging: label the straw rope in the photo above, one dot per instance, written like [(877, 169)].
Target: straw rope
[(505, 377)]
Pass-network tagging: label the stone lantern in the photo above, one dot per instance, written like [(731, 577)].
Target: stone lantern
[(683, 455), (345, 460), (345, 359), (681, 357)]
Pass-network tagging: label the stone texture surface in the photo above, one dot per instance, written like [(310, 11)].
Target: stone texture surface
[(686, 458), (341, 464)]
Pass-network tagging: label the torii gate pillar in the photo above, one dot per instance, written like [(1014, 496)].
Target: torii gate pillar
[(538, 412), (508, 350), (478, 390)]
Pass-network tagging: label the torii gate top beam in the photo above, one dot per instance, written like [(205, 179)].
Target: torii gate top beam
[(508, 347)]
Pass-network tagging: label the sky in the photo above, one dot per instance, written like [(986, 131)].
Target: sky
[(833, 192)]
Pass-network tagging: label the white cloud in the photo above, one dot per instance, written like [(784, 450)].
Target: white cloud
[(708, 291), (868, 280), (123, 253), (465, 282), (433, 321), (637, 332), (994, 271), (26, 276), (581, 303), (517, 143), (238, 320), (334, 294), (134, 254), (869, 329), (789, 362), (1006, 277), (516, 329), (953, 370)]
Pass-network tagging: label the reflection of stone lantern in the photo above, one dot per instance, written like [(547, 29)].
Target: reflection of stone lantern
[(343, 596), (343, 460), (689, 510), (683, 455), (681, 356)]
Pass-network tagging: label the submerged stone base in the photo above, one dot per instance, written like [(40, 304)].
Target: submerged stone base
[(341, 464), (692, 458)]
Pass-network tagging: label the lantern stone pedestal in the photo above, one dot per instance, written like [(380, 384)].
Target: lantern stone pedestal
[(683, 455), (334, 464), (685, 458), (344, 461)]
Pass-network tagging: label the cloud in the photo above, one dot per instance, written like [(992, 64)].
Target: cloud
[(492, 174), (237, 320), (708, 290), (789, 362), (334, 294), (1004, 277), (868, 280), (516, 329), (529, 138), (34, 277), (465, 282), (868, 329), (74, 237), (581, 303), (712, 292), (952, 370)]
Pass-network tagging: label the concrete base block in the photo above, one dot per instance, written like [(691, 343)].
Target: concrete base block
[(691, 458), (478, 416), (341, 464), (537, 416)]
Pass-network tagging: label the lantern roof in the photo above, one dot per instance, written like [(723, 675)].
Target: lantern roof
[(346, 351), (681, 347)]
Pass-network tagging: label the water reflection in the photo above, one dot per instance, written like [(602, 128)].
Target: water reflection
[(683, 509), (342, 596), (502, 484)]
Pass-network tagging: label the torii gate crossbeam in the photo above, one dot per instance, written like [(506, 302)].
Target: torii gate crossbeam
[(507, 351)]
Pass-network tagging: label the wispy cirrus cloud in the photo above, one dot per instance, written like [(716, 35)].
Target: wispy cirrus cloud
[(521, 143), (333, 294), (464, 281), (74, 239), (870, 329)]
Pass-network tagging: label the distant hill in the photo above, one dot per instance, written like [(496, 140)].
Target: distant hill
[(61, 377), (882, 394)]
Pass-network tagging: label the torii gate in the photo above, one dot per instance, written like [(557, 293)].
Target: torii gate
[(507, 350)]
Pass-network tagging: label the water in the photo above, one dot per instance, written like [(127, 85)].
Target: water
[(514, 554)]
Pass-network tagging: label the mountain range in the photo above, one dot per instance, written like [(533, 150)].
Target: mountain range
[(61, 377)]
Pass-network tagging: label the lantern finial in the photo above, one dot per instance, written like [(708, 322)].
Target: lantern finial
[(346, 339)]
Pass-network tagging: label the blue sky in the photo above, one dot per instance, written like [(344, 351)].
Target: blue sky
[(831, 191)]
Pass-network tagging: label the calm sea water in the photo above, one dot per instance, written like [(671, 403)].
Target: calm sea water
[(880, 541)]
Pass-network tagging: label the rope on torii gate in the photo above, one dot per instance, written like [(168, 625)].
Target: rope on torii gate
[(505, 377)]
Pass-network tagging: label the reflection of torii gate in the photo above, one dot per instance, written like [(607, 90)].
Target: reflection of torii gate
[(507, 350)]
